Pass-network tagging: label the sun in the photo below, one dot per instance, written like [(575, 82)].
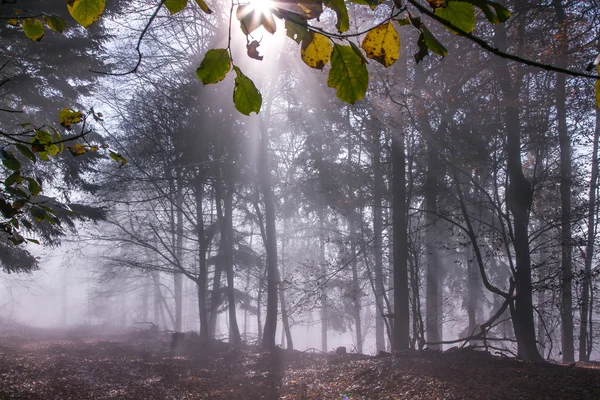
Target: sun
[(263, 7)]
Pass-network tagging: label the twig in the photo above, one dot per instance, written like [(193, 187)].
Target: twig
[(494, 50), (137, 47)]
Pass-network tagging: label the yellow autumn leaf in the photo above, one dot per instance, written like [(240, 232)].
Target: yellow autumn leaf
[(33, 29), (86, 11), (382, 44), (316, 50), (77, 149)]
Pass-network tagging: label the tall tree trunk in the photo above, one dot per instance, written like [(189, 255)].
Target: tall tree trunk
[(234, 331), (145, 299), (519, 200), (473, 290), (401, 329), (284, 314), (156, 298), (377, 241), (585, 343), (202, 270), (177, 275), (433, 314), (568, 351), (356, 292), (270, 331), (323, 268), (215, 297)]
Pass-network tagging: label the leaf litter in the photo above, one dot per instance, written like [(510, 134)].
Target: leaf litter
[(141, 365)]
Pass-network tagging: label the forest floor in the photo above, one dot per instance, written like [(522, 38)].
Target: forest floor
[(37, 364)]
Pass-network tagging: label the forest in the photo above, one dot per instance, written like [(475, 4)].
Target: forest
[(305, 199)]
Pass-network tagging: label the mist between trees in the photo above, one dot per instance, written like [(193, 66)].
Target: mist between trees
[(455, 204)]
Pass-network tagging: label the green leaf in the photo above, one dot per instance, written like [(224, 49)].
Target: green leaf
[(32, 240), (358, 52), (316, 50), (38, 213), (118, 158), (19, 193), (246, 96), (339, 6), (214, 67), (55, 22), (43, 137), (294, 30), (12, 163), (432, 43), (26, 151), (348, 74), (382, 44), (68, 117), (52, 149), (85, 12), (174, 6), (13, 178), (34, 187), (460, 14), (26, 224), (33, 29)]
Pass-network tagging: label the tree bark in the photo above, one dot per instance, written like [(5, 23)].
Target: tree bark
[(568, 352), (585, 344), (323, 268), (202, 270), (234, 331), (434, 311), (284, 314), (519, 200), (377, 242), (401, 329), (270, 331)]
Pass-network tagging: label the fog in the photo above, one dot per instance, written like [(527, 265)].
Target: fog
[(449, 203)]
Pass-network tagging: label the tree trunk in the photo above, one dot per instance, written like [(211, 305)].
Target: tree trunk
[(323, 268), (284, 315), (401, 330), (234, 331), (202, 270), (519, 200), (568, 352), (270, 331), (356, 292), (145, 299), (377, 242), (473, 291), (585, 343), (177, 275), (433, 314)]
